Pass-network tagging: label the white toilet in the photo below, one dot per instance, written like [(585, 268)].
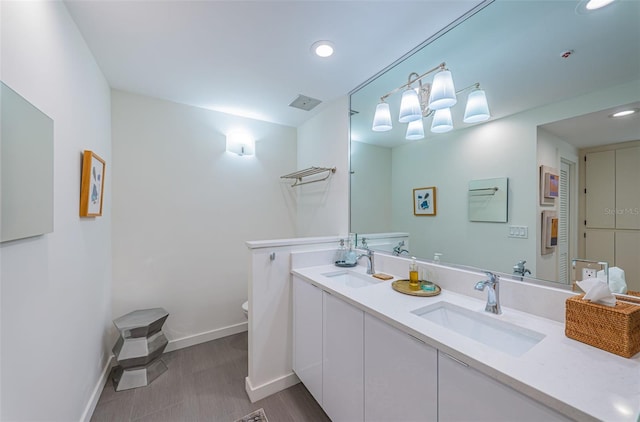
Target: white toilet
[(245, 309)]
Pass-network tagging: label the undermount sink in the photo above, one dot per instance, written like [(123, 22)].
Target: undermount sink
[(352, 278), (500, 335)]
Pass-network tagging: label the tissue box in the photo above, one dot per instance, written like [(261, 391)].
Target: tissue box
[(615, 329)]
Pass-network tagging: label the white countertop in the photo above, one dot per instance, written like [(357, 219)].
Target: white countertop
[(575, 379)]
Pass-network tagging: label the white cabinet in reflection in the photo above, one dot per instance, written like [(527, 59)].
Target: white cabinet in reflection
[(627, 188), (612, 208), (400, 375)]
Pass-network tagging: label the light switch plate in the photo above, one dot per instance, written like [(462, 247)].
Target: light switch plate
[(520, 232)]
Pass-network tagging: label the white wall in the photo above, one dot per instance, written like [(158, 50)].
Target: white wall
[(270, 311), (56, 288), (449, 161), (323, 140), (501, 148), (183, 208)]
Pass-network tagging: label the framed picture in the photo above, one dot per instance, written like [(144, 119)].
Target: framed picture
[(92, 185), (549, 235), (549, 185), (424, 201)]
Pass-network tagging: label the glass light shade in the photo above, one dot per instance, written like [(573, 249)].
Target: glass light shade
[(410, 107), (443, 93), (240, 143), (415, 130), (477, 109), (442, 121), (382, 118)]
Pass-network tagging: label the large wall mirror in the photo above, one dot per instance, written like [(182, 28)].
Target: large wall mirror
[(553, 73), (26, 150)]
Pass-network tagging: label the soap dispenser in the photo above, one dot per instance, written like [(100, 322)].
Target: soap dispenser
[(414, 280), (341, 254), (351, 256)]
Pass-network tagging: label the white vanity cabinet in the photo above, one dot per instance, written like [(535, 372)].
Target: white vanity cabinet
[(342, 367), (465, 394), (328, 339), (400, 375), (360, 368), (307, 336)]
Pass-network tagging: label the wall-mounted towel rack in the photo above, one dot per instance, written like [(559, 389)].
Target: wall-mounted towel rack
[(483, 191), (488, 200), (300, 174)]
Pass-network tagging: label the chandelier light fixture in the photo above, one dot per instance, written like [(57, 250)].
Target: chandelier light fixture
[(431, 99)]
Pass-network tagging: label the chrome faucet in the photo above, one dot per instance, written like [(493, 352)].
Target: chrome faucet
[(399, 250), (520, 269), (370, 263), (493, 292)]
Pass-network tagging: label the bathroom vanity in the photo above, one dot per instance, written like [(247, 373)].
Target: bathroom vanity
[(366, 352)]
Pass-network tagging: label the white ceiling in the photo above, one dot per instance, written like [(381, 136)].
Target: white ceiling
[(253, 58), (513, 48), (593, 129)]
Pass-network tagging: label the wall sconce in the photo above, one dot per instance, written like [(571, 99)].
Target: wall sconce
[(427, 100), (241, 143)]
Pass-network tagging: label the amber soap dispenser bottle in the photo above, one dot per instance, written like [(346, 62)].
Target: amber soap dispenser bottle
[(414, 281)]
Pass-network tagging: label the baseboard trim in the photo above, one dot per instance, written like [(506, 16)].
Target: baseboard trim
[(97, 391), (192, 340), (269, 388)]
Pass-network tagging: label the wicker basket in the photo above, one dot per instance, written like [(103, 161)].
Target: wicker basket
[(615, 329)]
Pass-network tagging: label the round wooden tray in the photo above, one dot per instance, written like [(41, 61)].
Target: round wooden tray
[(402, 286)]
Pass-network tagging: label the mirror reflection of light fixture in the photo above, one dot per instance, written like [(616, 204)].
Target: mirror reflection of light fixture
[(442, 121), (241, 143), (597, 4), (477, 109), (427, 100), (410, 106), (624, 113), (415, 130), (443, 93), (382, 118)]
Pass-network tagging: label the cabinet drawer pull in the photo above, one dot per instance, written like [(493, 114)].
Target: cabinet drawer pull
[(454, 359), (416, 338)]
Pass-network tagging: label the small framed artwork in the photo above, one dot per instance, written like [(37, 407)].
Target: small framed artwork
[(424, 201), (549, 238), (552, 232), (549, 185), (92, 185)]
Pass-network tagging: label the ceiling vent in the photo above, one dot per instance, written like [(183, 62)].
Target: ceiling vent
[(304, 103)]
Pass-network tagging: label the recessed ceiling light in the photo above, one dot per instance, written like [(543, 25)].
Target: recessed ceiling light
[(585, 7), (322, 48), (624, 113), (597, 4)]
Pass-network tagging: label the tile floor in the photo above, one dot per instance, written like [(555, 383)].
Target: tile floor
[(204, 383)]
